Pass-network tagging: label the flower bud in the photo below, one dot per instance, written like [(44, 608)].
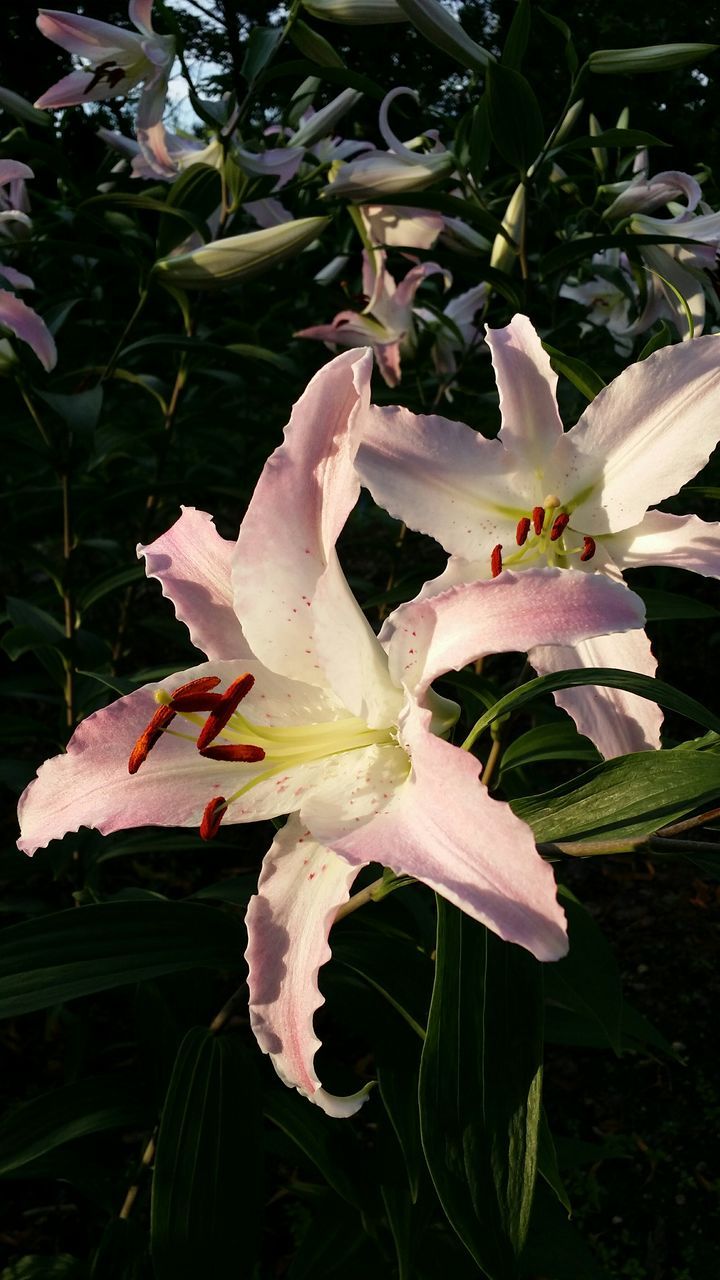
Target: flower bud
[(503, 254), (444, 32), (355, 12), (654, 57), (226, 262), (323, 121)]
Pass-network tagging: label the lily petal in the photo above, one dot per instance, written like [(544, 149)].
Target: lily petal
[(287, 539), (27, 325), (645, 435), (527, 385), (75, 88), (439, 477), (444, 829), (86, 37), (680, 542), (192, 563), (12, 170), (617, 722), (301, 886)]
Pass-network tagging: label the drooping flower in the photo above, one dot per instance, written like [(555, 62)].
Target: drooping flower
[(386, 324), (302, 710), (576, 501), (382, 174), (118, 59)]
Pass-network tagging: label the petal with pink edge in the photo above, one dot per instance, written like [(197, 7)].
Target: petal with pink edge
[(27, 325), (645, 435), (617, 722), (441, 478), (515, 612), (303, 497), (679, 542), (531, 424), (192, 563), (140, 14), (444, 829), (75, 88), (86, 37), (301, 887)]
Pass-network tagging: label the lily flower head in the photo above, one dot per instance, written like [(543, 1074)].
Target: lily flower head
[(381, 174), (613, 299), (302, 710), (576, 501), (386, 324), (118, 60)]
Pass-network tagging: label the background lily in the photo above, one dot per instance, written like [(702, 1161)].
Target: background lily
[(455, 328), (401, 168), (118, 59), (301, 709), (578, 500), (14, 202), (386, 324)]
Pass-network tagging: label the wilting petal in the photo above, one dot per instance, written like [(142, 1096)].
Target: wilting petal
[(192, 563), (86, 37), (443, 828), (617, 722), (646, 434), (27, 325), (439, 477), (75, 89), (287, 539), (679, 542), (652, 193), (531, 423), (300, 889)]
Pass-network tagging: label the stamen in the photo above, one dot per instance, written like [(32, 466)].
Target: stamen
[(201, 685), (588, 550), (241, 751), (196, 701), (522, 531), (560, 524), (149, 736), (538, 519), (212, 817), (496, 560), (227, 707)]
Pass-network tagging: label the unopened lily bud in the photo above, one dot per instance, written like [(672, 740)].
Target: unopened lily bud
[(655, 57), (355, 12), (324, 120), (599, 154), (227, 262), (444, 32), (381, 173), (569, 121), (503, 254)]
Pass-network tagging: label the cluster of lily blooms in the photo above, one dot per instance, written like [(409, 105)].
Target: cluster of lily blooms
[(341, 729)]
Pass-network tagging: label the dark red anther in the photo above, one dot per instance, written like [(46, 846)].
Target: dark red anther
[(149, 736), (496, 560), (239, 751), (538, 519), (196, 701), (588, 550), (228, 705), (212, 817), (560, 524), (201, 685), (522, 531)]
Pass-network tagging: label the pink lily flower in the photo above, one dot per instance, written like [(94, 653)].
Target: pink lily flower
[(386, 324), (118, 60), (302, 710), (14, 203), (576, 501), (386, 173)]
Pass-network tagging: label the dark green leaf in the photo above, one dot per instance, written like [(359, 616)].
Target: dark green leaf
[(662, 606), (629, 796), (587, 381), (517, 37), (663, 338), (548, 1167), (314, 46), (90, 1106), (207, 1194), (73, 953), (480, 1087), (582, 249), (613, 138), (587, 979), (570, 55), (121, 1251), (43, 1267), (262, 46), (332, 1148), (556, 741), (515, 119)]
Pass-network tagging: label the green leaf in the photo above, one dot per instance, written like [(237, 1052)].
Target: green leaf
[(207, 1195), (548, 1167), (103, 586), (480, 1087), (587, 381), (121, 1251), (570, 54), (73, 953), (663, 338), (517, 37), (197, 192), (73, 1111), (42, 1267), (333, 1149), (313, 46), (480, 139), (587, 980), (556, 741), (629, 796), (584, 247), (262, 46), (515, 119), (607, 677), (612, 138), (80, 412), (662, 606)]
